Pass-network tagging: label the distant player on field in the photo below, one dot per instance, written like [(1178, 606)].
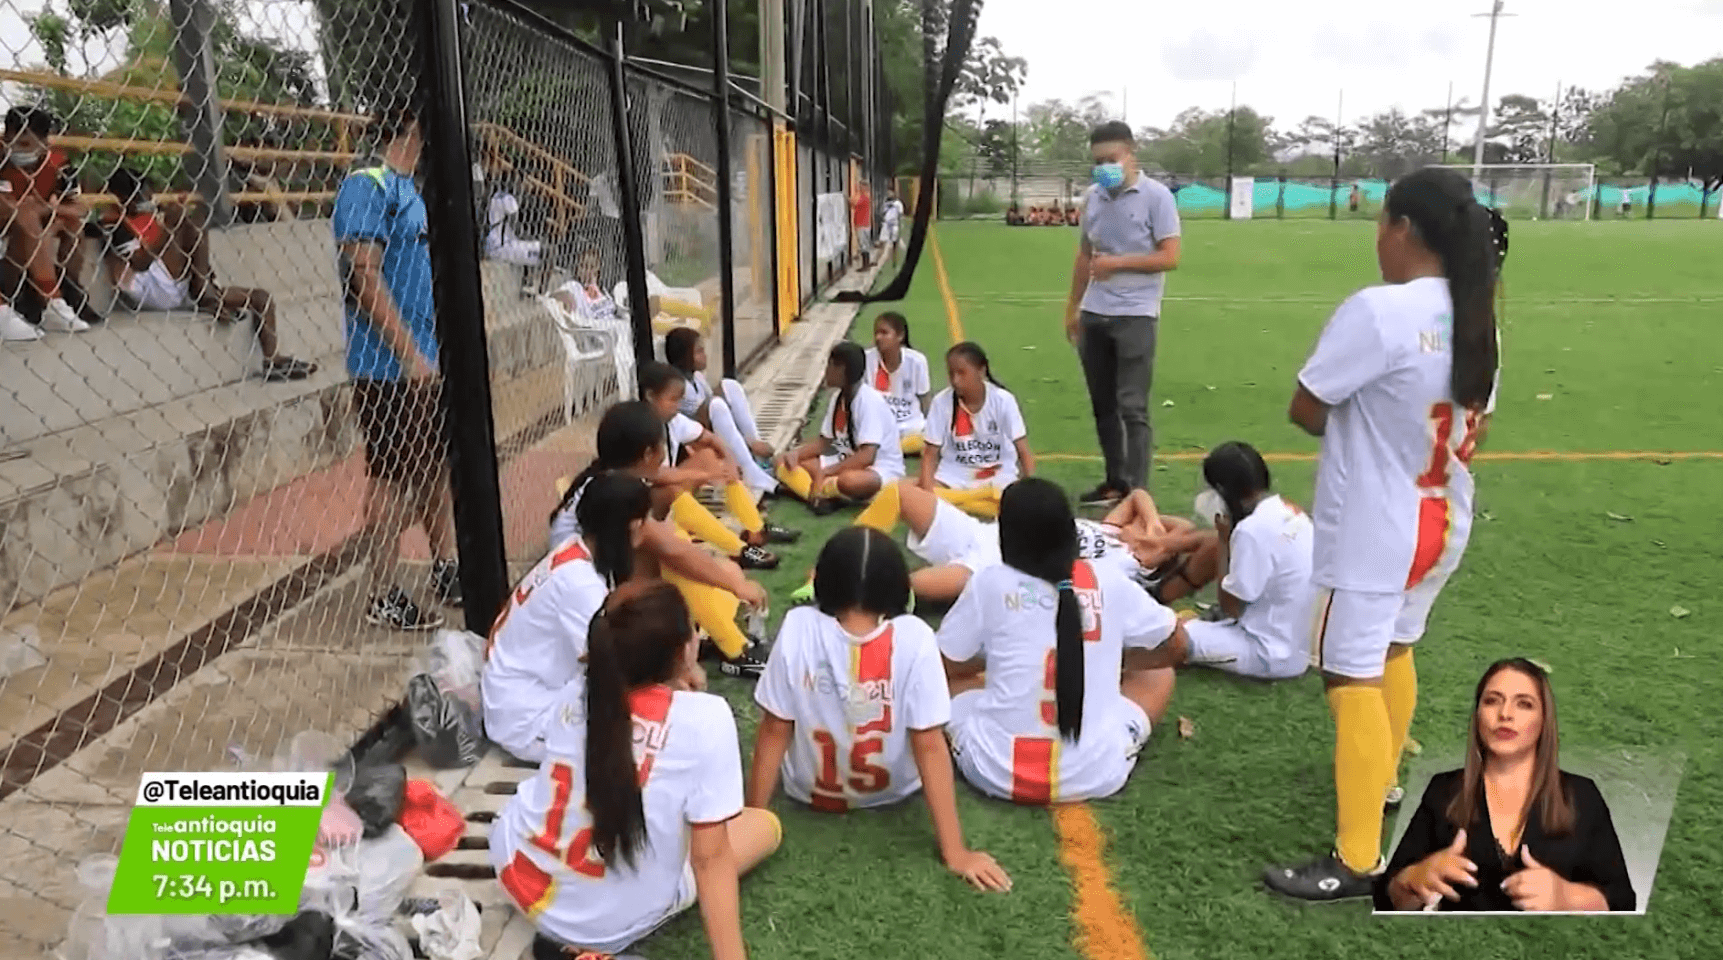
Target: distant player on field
[(1399, 388), (854, 701)]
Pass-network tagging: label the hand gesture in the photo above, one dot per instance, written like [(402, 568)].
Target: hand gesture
[(1431, 878), (980, 870), (1536, 887), (1102, 267), (817, 479), (753, 595)]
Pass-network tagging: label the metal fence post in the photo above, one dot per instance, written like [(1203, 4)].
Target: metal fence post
[(628, 195), (200, 104), (457, 288), (726, 228)]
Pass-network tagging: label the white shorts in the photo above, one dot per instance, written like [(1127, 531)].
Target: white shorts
[(830, 460), (888, 234), (1352, 630), (685, 897), (1228, 646), (1414, 615), (987, 766), (156, 289), (523, 253), (957, 539)]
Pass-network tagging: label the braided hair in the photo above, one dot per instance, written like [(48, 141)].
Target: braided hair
[(971, 353)]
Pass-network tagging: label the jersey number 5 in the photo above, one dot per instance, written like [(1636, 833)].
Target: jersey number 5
[(1447, 448), (865, 776)]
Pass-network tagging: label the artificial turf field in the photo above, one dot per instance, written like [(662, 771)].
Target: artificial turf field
[(1611, 344)]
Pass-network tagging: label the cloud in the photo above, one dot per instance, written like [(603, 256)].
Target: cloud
[(1382, 45), (1206, 56)]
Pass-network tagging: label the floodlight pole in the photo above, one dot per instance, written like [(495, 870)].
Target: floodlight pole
[(1448, 122), (1231, 117), (1495, 14)]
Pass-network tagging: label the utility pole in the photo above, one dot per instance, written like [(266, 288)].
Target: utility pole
[(772, 86), (1334, 185), (1495, 14), (1448, 122), (1549, 152), (1231, 117), (1657, 154)]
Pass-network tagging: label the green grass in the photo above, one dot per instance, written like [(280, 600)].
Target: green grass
[(1549, 574)]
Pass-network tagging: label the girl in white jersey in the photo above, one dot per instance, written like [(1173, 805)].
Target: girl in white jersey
[(1265, 589), (900, 373), (977, 443), (854, 704), (631, 440), (857, 452), (726, 412), (693, 459), (1059, 667), (539, 640), (636, 813), (1398, 388)]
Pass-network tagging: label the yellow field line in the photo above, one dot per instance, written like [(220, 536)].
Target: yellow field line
[(1501, 455), (953, 323), (1106, 930)]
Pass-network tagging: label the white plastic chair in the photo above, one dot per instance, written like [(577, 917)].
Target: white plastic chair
[(585, 340)]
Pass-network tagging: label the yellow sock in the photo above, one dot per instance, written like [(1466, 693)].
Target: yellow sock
[(883, 513), (691, 515), (714, 610), (1360, 746), (829, 489), (981, 502), (800, 482), (743, 507), (912, 444), (1400, 692)]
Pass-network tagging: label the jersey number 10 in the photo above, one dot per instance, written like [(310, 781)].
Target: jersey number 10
[(1445, 449)]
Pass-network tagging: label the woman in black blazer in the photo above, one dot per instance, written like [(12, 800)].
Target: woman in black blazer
[(1511, 830)]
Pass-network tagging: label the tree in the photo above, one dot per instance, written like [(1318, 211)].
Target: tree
[(1197, 142), (989, 76), (1666, 122), (1520, 130)]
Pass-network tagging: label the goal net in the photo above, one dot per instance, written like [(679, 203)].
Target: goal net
[(1535, 191)]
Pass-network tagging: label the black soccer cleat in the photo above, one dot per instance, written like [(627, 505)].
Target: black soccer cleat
[(756, 558), (1102, 496), (446, 582), (747, 665), (397, 611), (777, 534), (1323, 880)]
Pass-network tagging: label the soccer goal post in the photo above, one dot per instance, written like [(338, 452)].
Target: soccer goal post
[(1535, 191)]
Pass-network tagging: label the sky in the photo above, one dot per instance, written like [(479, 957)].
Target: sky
[(1294, 60)]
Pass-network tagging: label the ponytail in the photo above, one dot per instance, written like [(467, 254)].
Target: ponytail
[(1471, 241), (635, 640), (607, 512), (1236, 471), (626, 433), (1038, 538), (853, 361)]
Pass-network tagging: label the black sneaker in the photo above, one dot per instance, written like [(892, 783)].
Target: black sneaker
[(1104, 495), (777, 534), (1324, 880), (397, 611), (747, 665), (822, 506), (756, 558), (446, 582), (280, 369)]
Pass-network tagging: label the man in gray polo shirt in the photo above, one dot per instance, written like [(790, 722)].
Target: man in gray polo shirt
[(1130, 240)]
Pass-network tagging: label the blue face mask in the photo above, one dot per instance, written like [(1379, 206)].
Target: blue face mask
[(1109, 176)]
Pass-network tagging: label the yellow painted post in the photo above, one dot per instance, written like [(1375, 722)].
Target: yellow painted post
[(789, 225)]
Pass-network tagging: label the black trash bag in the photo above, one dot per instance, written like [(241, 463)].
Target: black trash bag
[(377, 794), (308, 936), (448, 731)]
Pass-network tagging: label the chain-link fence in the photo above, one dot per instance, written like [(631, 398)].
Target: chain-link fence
[(225, 491)]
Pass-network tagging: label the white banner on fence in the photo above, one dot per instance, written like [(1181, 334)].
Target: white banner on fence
[(1243, 197), (831, 228)]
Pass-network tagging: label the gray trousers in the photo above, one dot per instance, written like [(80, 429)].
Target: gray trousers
[(1118, 355)]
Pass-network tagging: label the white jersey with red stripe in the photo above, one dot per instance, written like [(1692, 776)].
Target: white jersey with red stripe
[(690, 769), (902, 388), (1100, 543), (1011, 739), (536, 645), (854, 701), (1393, 486), (874, 424), (976, 449)]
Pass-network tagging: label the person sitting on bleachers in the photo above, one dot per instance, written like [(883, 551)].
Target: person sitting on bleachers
[(1036, 217), (1013, 216), (1072, 216), (43, 219), (503, 240), (158, 257), (585, 296)]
